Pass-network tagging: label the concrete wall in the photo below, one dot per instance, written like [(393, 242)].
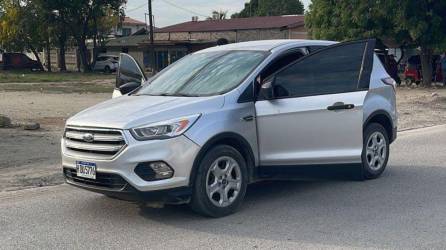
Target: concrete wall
[(236, 35), (298, 33)]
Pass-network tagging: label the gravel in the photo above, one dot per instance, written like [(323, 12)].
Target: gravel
[(32, 158)]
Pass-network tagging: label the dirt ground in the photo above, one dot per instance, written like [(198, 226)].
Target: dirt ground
[(32, 158)]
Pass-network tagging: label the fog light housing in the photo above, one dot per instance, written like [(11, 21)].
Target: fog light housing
[(153, 171)]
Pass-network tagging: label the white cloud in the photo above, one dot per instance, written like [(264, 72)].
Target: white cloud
[(166, 14)]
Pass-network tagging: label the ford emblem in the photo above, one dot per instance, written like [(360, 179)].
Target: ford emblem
[(88, 137)]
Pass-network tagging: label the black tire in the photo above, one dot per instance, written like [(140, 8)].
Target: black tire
[(201, 202), (107, 70), (369, 171)]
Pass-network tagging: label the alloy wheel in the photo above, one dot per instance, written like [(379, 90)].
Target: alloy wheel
[(376, 151), (223, 181)]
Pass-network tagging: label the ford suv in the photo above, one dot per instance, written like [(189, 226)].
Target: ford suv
[(215, 121)]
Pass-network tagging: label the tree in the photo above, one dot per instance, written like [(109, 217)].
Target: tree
[(425, 22), (22, 27), (271, 8), (395, 23), (81, 19), (218, 15)]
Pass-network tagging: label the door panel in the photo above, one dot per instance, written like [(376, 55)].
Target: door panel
[(303, 131), (316, 114), (129, 71)]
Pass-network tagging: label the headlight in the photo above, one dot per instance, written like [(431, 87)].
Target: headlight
[(165, 129)]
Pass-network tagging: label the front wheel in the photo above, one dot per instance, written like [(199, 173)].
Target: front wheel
[(221, 181), (375, 153)]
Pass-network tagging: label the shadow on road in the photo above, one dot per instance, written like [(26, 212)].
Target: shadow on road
[(376, 213), (401, 209)]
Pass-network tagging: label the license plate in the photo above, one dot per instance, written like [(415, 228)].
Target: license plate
[(86, 169)]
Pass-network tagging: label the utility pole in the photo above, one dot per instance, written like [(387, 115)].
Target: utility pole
[(152, 48), (150, 21)]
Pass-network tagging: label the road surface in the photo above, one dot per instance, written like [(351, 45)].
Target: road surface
[(405, 208)]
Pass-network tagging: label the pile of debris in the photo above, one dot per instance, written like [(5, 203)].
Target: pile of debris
[(5, 122)]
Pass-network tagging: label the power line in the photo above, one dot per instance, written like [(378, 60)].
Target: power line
[(137, 8), (184, 9)]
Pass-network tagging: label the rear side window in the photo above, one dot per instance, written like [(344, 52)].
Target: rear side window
[(333, 70)]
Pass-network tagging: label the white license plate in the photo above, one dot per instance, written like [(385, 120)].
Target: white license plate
[(86, 169)]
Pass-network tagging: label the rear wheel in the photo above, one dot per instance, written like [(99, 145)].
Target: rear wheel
[(107, 69), (221, 181), (375, 153)]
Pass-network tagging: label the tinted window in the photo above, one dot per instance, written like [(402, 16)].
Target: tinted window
[(281, 62), (129, 71), (334, 70)]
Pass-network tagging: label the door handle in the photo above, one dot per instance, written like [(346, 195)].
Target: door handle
[(340, 105), (248, 118)]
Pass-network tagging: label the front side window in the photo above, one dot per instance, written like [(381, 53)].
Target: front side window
[(334, 70), (204, 74)]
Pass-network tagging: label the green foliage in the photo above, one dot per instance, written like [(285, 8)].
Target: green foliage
[(21, 27), (271, 8), (396, 23), (30, 24)]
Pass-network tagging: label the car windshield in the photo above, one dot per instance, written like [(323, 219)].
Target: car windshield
[(204, 74)]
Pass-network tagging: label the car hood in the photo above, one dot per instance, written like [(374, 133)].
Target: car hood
[(132, 111)]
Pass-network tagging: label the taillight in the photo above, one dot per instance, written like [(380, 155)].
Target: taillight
[(389, 81)]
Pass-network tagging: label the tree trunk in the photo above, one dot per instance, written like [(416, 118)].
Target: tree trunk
[(61, 56), (48, 55), (402, 55), (426, 66), (85, 65), (95, 35), (36, 54)]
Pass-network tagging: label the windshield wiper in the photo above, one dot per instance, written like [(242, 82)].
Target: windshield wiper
[(177, 94)]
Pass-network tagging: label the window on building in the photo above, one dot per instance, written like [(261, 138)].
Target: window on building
[(175, 55), (162, 59), (126, 31)]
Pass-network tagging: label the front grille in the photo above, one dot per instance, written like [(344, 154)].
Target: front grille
[(94, 142), (103, 180)]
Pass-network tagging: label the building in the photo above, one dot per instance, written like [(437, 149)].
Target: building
[(173, 42), (237, 29), (128, 27)]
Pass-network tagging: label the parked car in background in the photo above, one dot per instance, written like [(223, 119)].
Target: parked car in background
[(205, 127), (106, 63), (18, 61)]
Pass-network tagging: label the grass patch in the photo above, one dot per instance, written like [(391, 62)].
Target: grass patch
[(36, 77), (70, 87)]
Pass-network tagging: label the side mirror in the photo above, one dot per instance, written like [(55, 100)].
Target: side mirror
[(129, 87), (267, 88)]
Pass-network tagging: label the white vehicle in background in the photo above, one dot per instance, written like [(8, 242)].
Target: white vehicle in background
[(106, 63)]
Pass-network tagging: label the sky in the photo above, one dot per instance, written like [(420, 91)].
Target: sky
[(168, 12)]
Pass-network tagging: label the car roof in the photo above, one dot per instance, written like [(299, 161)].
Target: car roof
[(268, 45)]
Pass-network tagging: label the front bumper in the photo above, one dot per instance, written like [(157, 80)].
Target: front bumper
[(127, 192), (179, 153)]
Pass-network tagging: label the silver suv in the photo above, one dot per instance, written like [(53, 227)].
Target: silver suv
[(208, 125)]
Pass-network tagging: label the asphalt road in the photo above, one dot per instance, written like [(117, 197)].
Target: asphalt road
[(405, 208)]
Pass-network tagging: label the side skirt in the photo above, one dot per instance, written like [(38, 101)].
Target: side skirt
[(311, 172)]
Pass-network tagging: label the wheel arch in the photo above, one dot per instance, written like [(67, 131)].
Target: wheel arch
[(382, 117), (231, 139)]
